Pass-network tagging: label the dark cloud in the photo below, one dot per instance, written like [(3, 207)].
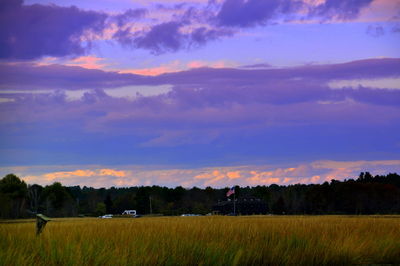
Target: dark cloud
[(167, 37), (211, 114), (164, 37), (341, 9), (361, 69), (124, 36), (30, 76), (248, 13), (32, 31), (180, 33), (262, 65), (129, 15), (202, 35), (267, 113)]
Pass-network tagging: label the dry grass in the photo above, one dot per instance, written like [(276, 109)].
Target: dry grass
[(266, 240)]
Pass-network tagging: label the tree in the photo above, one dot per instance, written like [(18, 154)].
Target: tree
[(13, 195), (34, 192), (100, 209), (279, 206), (142, 199), (108, 203), (58, 201)]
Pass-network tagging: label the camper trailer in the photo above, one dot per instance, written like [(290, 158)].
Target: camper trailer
[(130, 213)]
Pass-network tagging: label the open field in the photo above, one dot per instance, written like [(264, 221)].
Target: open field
[(301, 240)]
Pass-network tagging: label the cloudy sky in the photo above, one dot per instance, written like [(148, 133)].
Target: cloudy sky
[(198, 92)]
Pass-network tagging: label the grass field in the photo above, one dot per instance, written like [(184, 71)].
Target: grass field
[(215, 240)]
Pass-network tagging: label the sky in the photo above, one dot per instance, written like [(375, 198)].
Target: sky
[(200, 92)]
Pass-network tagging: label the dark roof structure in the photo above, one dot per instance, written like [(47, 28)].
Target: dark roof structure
[(244, 206)]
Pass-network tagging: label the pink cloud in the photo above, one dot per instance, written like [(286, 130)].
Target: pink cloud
[(233, 175), (173, 66), (213, 64), (250, 175), (89, 62), (83, 173), (111, 172), (380, 11), (260, 180), (62, 175), (315, 179)]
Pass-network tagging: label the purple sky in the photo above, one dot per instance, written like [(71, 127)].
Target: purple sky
[(199, 93)]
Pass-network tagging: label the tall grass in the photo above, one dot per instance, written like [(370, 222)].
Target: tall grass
[(251, 240)]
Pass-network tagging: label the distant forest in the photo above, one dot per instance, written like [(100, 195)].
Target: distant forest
[(367, 194)]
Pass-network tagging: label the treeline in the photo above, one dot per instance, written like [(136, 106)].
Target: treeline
[(366, 195)]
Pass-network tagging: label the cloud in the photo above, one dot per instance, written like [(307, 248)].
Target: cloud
[(233, 175), (250, 175), (62, 175), (69, 31), (33, 31), (186, 26), (339, 9), (201, 35), (368, 68), (129, 15), (89, 62), (379, 11), (177, 66), (36, 76), (204, 97), (111, 172), (33, 76), (170, 36), (172, 66), (203, 115), (250, 13), (254, 66), (85, 173), (72, 177), (161, 38)]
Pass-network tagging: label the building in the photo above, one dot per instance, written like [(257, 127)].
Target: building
[(244, 206)]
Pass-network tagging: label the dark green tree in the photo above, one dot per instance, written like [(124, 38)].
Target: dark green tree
[(13, 197), (58, 201), (34, 193), (279, 206), (109, 204)]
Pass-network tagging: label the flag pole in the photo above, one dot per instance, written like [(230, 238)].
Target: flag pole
[(234, 204)]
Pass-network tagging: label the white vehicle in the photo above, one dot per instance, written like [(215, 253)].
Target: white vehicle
[(107, 216), (129, 212)]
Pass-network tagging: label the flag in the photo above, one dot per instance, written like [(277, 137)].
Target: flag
[(230, 191)]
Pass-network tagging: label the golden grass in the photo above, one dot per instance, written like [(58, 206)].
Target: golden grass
[(251, 240)]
